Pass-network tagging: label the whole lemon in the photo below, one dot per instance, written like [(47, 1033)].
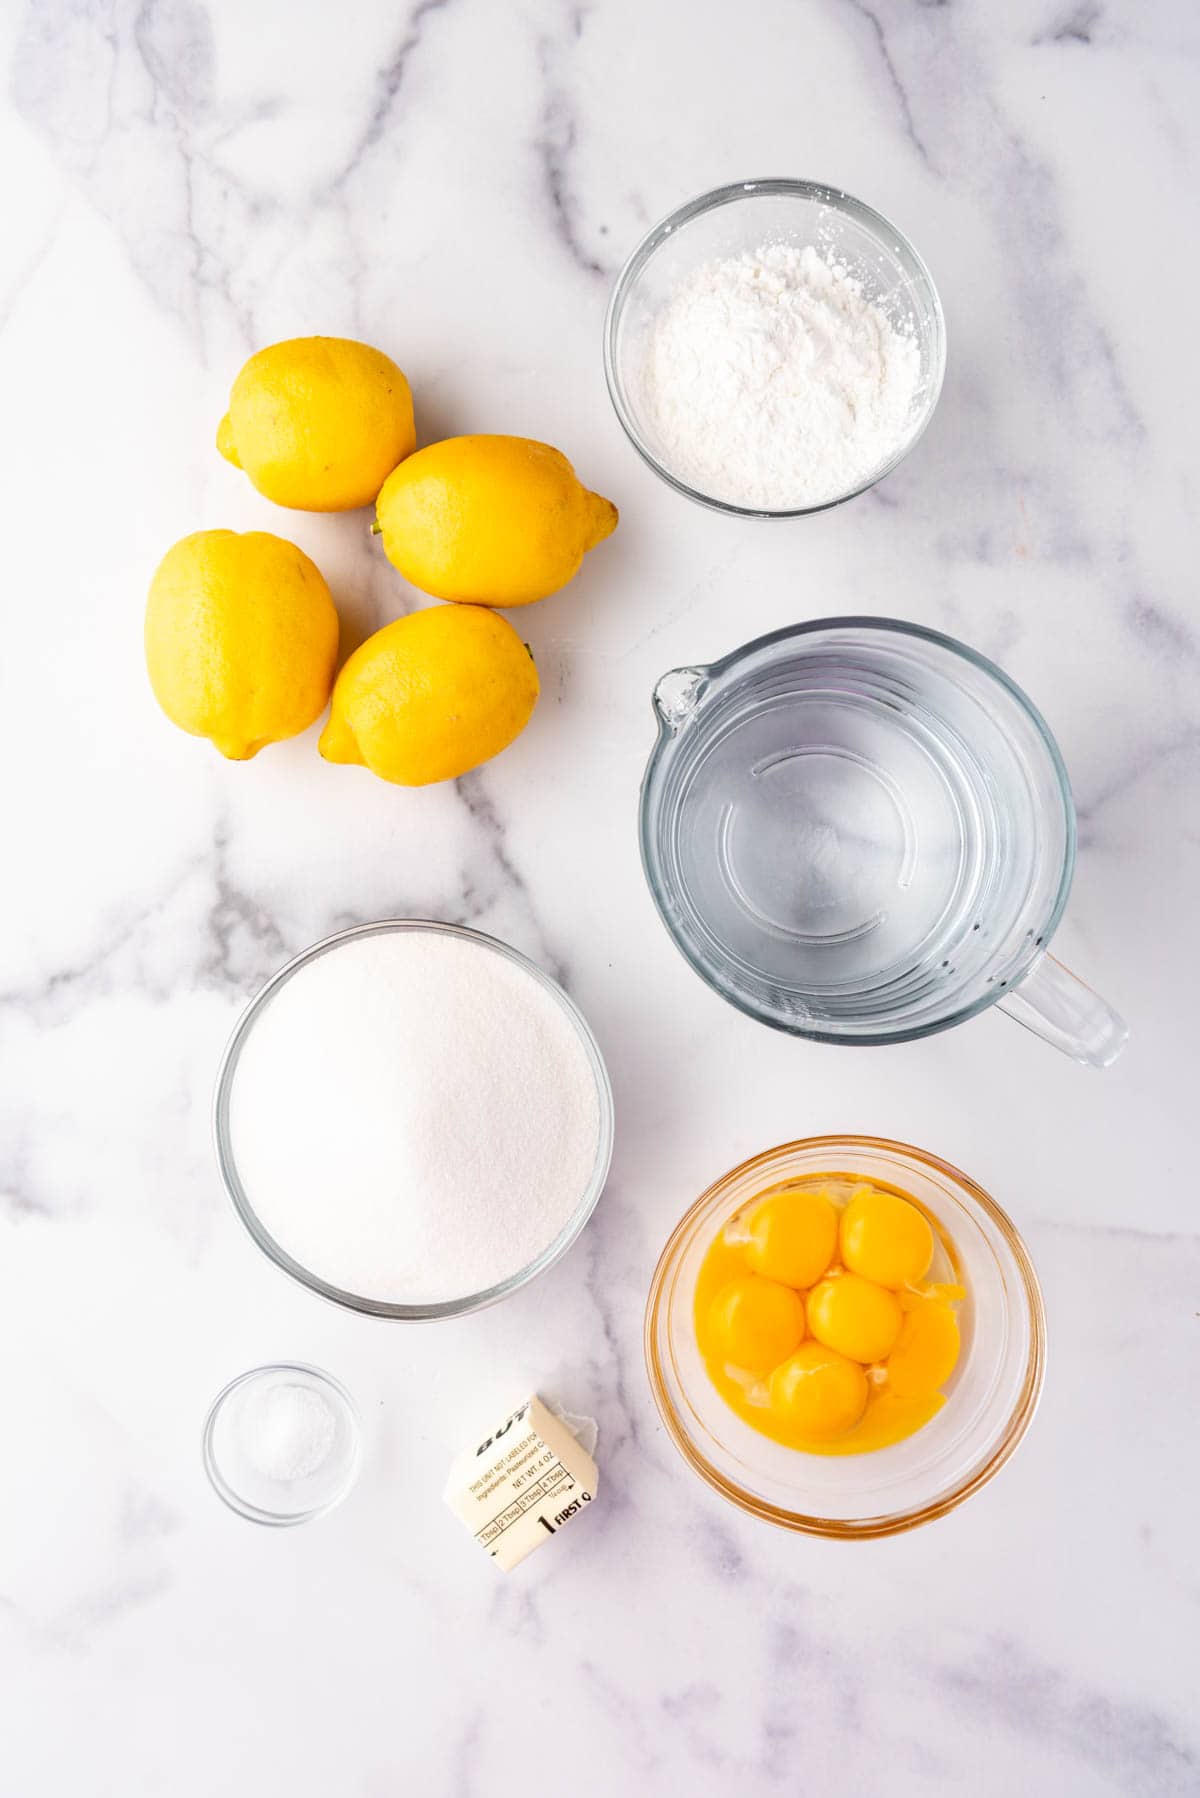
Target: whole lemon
[(318, 423), (494, 521), (241, 639), (432, 695)]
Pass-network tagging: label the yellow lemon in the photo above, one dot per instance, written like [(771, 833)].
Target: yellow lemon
[(432, 695), (318, 423), (241, 639), (494, 521)]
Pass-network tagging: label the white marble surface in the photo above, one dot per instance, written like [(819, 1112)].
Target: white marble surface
[(458, 182)]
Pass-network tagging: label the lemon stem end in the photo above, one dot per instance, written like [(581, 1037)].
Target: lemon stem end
[(225, 443), (337, 744), (602, 518)]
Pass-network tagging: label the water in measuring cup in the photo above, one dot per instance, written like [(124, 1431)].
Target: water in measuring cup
[(853, 842)]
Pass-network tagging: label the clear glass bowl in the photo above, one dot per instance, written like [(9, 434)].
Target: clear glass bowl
[(991, 1396), (229, 1447), (741, 217), (459, 1305)]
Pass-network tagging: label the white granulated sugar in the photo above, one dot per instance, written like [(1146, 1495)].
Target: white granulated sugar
[(414, 1118), (773, 382)]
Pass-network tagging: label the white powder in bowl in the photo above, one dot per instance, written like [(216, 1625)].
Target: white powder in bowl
[(771, 381), (287, 1431), (413, 1117)]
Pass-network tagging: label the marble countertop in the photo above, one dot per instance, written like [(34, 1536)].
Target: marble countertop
[(459, 183)]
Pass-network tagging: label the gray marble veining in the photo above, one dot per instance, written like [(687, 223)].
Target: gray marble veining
[(460, 183)]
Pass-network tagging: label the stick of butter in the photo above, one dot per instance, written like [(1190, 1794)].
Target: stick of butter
[(524, 1481)]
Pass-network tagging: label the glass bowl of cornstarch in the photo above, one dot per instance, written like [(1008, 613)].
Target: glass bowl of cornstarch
[(413, 1120), (774, 348)]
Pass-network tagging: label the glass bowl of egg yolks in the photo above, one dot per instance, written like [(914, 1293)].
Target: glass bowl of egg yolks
[(845, 1336)]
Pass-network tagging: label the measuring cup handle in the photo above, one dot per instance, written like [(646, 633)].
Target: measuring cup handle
[(1056, 1005)]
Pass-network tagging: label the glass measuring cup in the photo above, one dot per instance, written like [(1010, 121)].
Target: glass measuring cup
[(860, 831)]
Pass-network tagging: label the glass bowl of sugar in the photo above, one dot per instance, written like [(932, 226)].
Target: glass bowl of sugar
[(774, 348), (413, 1119)]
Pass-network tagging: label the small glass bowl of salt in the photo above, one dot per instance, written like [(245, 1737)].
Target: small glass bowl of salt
[(282, 1443)]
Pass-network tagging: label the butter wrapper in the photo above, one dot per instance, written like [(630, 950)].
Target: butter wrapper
[(527, 1480)]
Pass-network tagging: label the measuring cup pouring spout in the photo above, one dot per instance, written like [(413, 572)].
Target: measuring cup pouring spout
[(677, 695), (861, 831)]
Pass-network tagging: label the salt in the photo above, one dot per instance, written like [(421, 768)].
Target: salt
[(287, 1431), (414, 1117)]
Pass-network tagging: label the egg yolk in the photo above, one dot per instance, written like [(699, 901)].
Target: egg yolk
[(885, 1239), (926, 1350), (793, 1236), (756, 1323), (855, 1317), (830, 1335), (818, 1393)]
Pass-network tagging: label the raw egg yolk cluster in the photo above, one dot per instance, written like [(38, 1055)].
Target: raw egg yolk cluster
[(817, 1322)]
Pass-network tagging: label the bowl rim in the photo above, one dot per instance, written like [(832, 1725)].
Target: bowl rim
[(891, 1523), (467, 1302), (778, 186), (651, 857), (230, 1496)]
